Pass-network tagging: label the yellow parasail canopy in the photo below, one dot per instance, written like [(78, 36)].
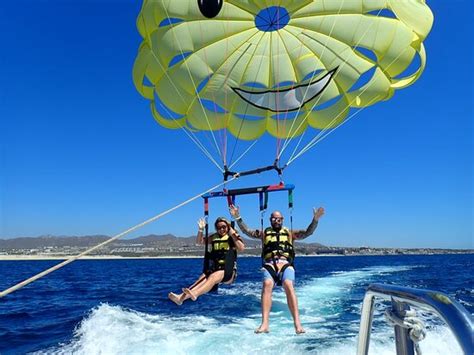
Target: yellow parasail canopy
[(275, 66)]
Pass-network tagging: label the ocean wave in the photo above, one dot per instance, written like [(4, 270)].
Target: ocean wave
[(115, 330), (330, 312)]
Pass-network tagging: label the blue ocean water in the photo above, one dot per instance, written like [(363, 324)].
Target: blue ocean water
[(121, 306)]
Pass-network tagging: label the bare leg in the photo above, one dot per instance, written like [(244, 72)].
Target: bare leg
[(292, 301), (267, 289), (176, 298), (180, 298), (198, 281), (205, 286)]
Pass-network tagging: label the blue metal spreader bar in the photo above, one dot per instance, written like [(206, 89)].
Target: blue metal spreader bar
[(250, 190), (262, 192)]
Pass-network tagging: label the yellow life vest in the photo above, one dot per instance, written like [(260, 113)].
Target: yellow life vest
[(220, 245), (278, 244)]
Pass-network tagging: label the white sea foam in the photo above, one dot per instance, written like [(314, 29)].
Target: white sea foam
[(114, 330), (439, 341)]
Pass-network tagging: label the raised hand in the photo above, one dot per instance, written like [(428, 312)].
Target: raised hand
[(201, 223), (318, 213), (234, 211)]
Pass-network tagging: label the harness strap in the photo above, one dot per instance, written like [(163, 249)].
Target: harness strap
[(277, 253), (206, 266), (197, 283), (276, 276), (230, 266), (290, 208), (231, 202)]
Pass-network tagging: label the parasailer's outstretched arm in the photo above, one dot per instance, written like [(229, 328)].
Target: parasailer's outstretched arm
[(302, 234), (252, 233)]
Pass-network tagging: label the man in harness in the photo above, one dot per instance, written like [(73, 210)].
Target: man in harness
[(277, 260)]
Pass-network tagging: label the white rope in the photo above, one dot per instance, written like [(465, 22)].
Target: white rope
[(288, 139), (246, 108), (415, 326), (321, 135), (189, 133), (74, 258), (195, 89), (320, 97), (244, 153)]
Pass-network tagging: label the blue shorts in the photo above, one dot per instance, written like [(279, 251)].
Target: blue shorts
[(288, 274)]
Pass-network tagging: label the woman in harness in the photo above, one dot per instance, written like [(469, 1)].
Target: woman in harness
[(220, 262), (277, 261)]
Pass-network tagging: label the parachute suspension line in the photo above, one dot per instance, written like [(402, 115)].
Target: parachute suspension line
[(203, 149), (223, 134), (304, 119), (321, 135), (277, 150), (325, 46), (277, 118), (287, 142), (195, 87), (225, 81), (226, 97), (223, 143), (74, 258), (187, 131), (244, 153), (276, 79), (207, 137), (289, 135), (226, 91), (263, 201), (191, 135), (247, 107)]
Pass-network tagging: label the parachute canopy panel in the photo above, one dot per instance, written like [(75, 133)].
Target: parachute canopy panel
[(252, 67)]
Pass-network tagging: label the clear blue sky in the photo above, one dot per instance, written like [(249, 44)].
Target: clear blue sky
[(81, 153)]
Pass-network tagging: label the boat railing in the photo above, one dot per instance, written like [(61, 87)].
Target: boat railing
[(406, 325)]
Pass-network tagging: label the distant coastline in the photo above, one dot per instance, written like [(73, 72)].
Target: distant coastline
[(171, 247), (112, 257), (88, 257), (116, 257)]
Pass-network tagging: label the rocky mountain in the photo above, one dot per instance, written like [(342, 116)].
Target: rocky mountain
[(147, 241)]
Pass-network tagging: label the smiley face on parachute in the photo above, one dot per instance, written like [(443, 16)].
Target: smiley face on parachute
[(259, 66)]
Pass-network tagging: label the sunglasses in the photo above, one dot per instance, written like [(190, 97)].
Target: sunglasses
[(222, 227), (276, 219)]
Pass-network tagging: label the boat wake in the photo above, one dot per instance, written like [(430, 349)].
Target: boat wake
[(330, 312)]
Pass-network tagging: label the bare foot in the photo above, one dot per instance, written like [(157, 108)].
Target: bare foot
[(261, 329), (190, 293), (175, 298), (299, 330)]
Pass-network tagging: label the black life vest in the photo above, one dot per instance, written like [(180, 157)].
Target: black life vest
[(222, 256)]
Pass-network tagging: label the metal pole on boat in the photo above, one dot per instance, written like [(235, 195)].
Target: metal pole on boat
[(365, 324), (456, 317), (403, 342)]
